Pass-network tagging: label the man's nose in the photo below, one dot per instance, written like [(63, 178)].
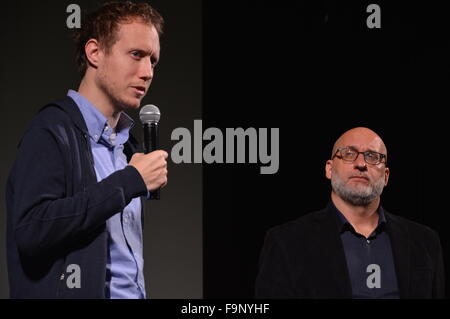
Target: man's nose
[(360, 163), (146, 70)]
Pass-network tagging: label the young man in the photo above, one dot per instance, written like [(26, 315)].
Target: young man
[(353, 248), (73, 196)]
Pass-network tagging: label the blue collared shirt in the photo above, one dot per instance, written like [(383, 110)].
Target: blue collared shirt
[(370, 260), (125, 264)]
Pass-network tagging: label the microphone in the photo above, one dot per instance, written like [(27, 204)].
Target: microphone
[(149, 116)]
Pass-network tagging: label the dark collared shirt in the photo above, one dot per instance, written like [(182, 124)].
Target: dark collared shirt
[(370, 260)]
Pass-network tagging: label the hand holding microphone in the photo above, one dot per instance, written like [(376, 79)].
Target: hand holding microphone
[(153, 169), (152, 165)]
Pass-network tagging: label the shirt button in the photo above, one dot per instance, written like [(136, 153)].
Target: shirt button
[(368, 241)]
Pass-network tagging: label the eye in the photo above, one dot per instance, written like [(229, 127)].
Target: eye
[(372, 155), (136, 54), (348, 153)]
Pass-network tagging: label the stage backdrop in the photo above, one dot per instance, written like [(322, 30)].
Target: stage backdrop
[(314, 69), (37, 66)]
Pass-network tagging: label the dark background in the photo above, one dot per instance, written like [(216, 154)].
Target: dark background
[(37, 66), (314, 69)]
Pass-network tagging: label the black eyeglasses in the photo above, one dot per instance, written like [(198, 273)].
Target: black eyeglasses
[(348, 154)]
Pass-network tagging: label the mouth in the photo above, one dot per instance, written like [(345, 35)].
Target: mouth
[(359, 178), (140, 90)]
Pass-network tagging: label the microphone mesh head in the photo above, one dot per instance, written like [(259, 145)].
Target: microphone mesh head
[(149, 114)]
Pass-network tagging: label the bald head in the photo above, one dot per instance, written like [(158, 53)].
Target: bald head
[(363, 139)]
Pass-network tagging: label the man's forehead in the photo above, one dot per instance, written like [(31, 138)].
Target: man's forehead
[(362, 143), (138, 34), (362, 140)]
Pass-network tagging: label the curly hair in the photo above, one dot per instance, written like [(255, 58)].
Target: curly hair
[(103, 25)]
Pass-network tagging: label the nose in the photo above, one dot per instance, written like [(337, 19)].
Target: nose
[(359, 163), (146, 70)]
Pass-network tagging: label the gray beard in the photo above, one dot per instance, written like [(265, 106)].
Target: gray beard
[(362, 196)]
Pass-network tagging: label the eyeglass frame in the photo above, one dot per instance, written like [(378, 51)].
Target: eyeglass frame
[(382, 156)]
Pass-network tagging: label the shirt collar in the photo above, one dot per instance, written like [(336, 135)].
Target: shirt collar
[(344, 223), (97, 124)]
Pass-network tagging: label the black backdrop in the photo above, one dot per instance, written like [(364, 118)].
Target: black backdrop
[(314, 69)]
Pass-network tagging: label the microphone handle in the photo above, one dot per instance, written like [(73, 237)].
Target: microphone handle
[(151, 144)]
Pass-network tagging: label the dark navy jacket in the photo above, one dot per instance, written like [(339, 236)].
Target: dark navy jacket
[(57, 210), (305, 258)]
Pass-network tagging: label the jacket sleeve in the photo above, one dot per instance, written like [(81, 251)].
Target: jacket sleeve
[(274, 276), (44, 218)]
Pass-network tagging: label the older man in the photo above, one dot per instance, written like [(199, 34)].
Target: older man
[(353, 248)]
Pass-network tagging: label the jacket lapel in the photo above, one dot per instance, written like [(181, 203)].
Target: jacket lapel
[(330, 249), (402, 253)]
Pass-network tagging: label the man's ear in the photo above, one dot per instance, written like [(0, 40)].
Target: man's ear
[(328, 169), (93, 52), (386, 176)]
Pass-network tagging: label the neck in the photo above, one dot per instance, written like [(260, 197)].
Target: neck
[(363, 218), (100, 100)]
